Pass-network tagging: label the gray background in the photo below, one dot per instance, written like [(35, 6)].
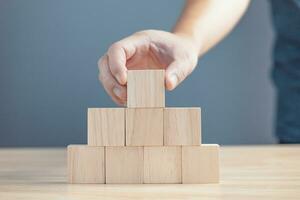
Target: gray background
[(48, 72)]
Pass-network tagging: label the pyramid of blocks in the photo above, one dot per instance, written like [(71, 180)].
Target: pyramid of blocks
[(145, 142)]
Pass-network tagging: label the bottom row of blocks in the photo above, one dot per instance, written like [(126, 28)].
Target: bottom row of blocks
[(165, 164)]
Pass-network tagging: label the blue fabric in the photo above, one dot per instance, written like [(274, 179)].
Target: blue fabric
[(286, 68)]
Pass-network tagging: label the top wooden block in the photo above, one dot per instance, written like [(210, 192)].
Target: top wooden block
[(146, 89)]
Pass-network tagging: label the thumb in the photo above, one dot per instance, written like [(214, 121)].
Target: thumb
[(176, 72)]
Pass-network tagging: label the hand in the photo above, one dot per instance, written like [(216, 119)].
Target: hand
[(149, 49)]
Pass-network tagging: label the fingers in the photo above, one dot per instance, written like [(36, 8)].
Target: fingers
[(176, 72), (120, 52), (117, 63), (117, 92), (112, 67)]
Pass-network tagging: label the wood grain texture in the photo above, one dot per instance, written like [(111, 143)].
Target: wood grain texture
[(144, 126), (247, 172), (182, 126), (200, 164), (124, 164), (86, 164), (145, 88), (106, 126), (162, 164)]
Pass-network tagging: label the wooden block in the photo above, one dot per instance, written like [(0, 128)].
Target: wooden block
[(86, 164), (182, 126), (144, 126), (124, 164), (200, 164), (162, 164), (106, 126), (145, 88)]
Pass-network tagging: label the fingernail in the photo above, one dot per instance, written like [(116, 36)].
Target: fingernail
[(173, 80), (117, 92), (119, 78)]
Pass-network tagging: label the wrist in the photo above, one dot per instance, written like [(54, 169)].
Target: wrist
[(190, 38)]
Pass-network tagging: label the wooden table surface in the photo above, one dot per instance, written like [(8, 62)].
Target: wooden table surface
[(247, 172)]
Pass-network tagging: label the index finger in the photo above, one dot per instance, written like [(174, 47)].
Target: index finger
[(119, 53)]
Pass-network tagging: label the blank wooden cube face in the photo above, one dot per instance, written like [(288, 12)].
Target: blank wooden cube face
[(182, 126), (200, 164), (144, 126), (162, 164), (85, 164), (106, 126), (145, 88), (124, 164)]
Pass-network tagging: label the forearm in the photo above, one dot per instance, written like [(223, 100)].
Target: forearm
[(206, 22)]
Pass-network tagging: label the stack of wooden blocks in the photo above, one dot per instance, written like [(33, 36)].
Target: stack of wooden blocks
[(145, 142)]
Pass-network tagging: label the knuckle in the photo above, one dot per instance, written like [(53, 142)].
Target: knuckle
[(193, 60), (114, 46), (140, 32), (104, 80), (115, 70), (109, 83), (187, 69), (145, 32), (181, 74)]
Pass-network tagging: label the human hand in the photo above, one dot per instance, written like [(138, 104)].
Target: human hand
[(150, 49)]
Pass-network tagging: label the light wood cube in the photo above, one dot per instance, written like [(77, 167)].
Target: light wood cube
[(124, 164), (145, 88), (200, 164), (144, 126), (162, 164), (86, 164), (182, 126), (106, 126)]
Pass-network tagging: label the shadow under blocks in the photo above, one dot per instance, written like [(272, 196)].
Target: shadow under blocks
[(144, 142)]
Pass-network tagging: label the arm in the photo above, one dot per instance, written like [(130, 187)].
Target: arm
[(203, 23), (207, 22)]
